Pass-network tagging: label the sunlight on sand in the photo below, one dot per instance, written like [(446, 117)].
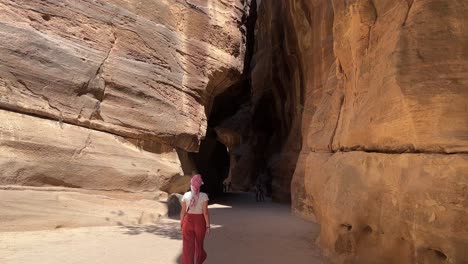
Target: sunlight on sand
[(219, 206)]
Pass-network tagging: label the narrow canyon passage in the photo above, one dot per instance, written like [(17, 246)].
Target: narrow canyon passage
[(350, 114), (244, 231)]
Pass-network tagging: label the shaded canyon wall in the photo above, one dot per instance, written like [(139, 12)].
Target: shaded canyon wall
[(101, 94), (264, 135), (375, 92)]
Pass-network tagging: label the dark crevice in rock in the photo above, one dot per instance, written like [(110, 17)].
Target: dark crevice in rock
[(410, 5), (338, 119), (398, 151), (440, 255), (367, 230), (47, 116), (98, 92), (432, 255), (369, 36), (346, 227), (341, 70), (216, 151), (46, 17), (250, 21), (372, 11), (270, 131), (43, 180), (195, 7), (212, 162), (212, 158), (18, 110)]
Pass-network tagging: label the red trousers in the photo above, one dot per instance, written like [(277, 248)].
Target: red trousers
[(193, 234)]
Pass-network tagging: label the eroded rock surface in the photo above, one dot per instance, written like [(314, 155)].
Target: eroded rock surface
[(381, 88), (404, 75), (405, 208), (40, 152), (145, 71)]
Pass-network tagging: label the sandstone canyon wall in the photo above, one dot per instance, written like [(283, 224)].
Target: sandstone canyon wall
[(382, 90), (100, 94), (356, 110)]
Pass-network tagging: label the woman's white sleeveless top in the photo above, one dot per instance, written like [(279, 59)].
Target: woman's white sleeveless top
[(198, 208)]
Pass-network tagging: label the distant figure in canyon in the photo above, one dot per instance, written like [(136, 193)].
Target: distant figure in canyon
[(259, 193), (226, 186), (194, 222)]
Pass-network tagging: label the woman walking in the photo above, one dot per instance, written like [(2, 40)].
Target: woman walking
[(195, 222)]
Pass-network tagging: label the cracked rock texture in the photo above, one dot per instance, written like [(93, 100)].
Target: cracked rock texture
[(381, 87), (138, 71)]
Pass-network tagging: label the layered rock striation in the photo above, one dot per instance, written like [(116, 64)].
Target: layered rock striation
[(357, 110), (114, 77)]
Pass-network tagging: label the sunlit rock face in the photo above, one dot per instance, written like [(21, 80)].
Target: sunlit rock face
[(97, 75), (404, 76), (41, 152), (397, 208), (382, 123)]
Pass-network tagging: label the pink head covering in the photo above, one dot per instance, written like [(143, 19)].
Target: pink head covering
[(195, 184)]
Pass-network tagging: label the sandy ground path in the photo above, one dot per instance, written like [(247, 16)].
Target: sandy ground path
[(243, 232)]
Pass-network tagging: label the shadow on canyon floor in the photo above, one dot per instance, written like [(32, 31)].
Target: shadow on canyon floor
[(245, 231), (166, 230)]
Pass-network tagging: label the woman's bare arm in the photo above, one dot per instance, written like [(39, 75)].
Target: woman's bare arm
[(183, 211), (206, 215)]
